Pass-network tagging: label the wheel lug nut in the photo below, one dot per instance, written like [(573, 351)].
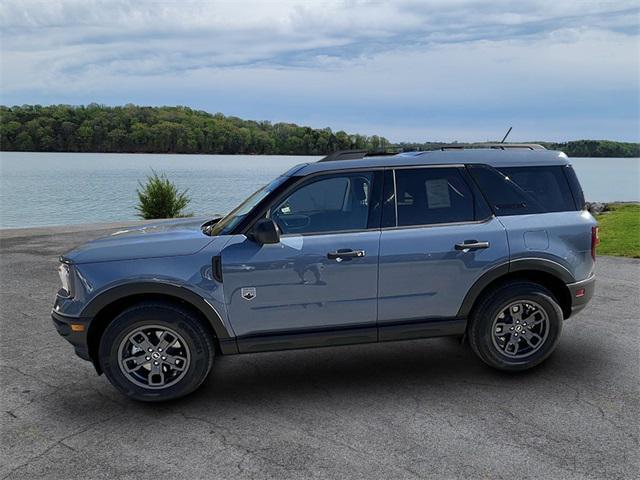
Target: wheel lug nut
[(159, 349), (156, 363), (150, 349), (147, 358), (164, 358)]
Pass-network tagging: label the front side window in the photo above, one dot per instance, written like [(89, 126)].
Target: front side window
[(328, 204), (427, 196)]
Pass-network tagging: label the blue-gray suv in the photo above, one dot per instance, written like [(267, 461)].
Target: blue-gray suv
[(490, 244)]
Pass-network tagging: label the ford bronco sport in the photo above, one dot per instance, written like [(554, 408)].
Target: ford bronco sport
[(491, 244)]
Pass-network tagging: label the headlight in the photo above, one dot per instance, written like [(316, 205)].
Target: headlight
[(64, 271)]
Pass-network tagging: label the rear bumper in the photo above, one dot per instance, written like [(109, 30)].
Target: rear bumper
[(581, 293), (76, 336)]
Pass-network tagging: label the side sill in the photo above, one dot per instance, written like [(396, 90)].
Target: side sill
[(307, 339), (389, 332), (427, 328)]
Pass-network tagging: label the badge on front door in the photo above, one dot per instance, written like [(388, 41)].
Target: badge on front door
[(248, 293)]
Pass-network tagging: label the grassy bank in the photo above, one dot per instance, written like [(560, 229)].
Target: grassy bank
[(620, 231)]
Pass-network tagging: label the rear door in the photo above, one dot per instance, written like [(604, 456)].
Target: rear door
[(318, 285), (438, 238)]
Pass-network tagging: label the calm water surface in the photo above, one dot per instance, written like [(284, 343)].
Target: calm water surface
[(38, 189)]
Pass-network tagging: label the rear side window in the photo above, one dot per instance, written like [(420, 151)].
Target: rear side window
[(547, 185), (426, 196)]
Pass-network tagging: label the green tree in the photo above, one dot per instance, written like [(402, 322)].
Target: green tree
[(160, 198)]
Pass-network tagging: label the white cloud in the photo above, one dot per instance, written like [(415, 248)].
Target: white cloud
[(330, 63)]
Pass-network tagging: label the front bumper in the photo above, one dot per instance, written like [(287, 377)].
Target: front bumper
[(581, 293), (74, 330)]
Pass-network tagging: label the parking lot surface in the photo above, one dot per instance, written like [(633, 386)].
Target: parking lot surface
[(419, 409)]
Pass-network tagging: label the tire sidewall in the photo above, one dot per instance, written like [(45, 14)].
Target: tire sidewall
[(483, 327), (199, 349)]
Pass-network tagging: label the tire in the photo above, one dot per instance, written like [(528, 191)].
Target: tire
[(139, 333), (494, 326)]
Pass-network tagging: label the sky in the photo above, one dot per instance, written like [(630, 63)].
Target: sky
[(432, 70)]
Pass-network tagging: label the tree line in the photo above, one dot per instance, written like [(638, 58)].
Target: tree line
[(136, 129), (575, 148)]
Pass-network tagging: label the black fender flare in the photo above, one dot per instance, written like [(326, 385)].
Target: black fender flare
[(518, 265), (122, 291)]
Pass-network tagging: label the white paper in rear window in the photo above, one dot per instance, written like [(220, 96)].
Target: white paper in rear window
[(438, 193)]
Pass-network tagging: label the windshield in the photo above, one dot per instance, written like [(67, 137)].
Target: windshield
[(228, 222)]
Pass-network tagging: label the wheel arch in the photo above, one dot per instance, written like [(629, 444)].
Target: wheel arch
[(107, 305), (547, 273)]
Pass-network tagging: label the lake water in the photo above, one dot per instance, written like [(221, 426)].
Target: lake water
[(38, 189)]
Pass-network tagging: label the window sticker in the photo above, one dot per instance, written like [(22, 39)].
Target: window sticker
[(438, 193)]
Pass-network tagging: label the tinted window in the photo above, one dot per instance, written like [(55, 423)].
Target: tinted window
[(547, 185), (504, 195), (432, 195), (329, 204), (576, 189)]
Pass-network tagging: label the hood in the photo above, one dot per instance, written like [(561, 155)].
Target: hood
[(165, 239)]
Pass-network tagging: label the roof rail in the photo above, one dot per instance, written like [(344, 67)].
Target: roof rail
[(344, 155), (495, 146)]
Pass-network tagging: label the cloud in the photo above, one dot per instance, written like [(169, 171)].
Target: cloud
[(452, 68)]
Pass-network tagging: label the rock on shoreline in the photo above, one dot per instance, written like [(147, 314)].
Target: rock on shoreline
[(596, 208)]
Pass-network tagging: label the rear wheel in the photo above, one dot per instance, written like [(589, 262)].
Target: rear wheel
[(156, 352), (516, 326)]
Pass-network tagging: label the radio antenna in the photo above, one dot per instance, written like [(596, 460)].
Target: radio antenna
[(506, 135)]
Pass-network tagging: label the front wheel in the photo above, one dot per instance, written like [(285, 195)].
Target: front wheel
[(156, 352), (516, 326)]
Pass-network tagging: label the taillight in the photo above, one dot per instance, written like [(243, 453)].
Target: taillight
[(595, 240)]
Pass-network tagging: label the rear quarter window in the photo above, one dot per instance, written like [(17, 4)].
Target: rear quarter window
[(576, 189), (547, 185), (502, 193)]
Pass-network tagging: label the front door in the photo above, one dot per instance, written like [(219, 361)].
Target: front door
[(318, 286)]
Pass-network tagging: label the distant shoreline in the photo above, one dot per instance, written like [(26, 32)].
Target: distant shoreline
[(169, 130), (252, 154)]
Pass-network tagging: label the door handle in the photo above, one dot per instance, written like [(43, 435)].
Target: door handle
[(343, 253), (471, 245)]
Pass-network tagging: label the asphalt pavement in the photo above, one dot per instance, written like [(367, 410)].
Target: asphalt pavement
[(418, 409)]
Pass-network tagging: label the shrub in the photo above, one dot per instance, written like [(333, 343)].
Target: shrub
[(160, 198)]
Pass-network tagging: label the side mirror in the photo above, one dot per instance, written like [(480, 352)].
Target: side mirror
[(266, 231)]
